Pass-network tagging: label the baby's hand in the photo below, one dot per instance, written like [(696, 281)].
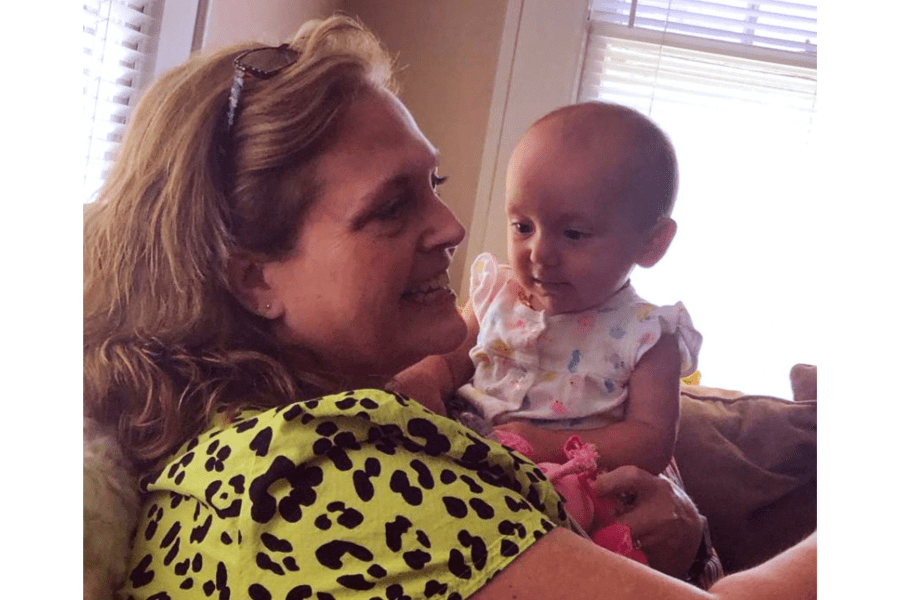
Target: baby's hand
[(546, 443)]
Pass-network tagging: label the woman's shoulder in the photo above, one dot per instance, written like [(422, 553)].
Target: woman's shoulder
[(367, 479)]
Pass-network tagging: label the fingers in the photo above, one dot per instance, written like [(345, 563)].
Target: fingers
[(626, 480)]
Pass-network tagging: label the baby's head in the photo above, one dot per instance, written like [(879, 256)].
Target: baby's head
[(590, 189)]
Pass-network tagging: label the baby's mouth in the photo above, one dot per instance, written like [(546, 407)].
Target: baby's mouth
[(435, 289)]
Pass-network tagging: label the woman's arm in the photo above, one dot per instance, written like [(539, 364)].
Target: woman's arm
[(435, 378), (646, 437), (565, 565)]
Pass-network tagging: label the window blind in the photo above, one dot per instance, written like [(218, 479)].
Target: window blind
[(119, 47), (770, 30), (734, 84)]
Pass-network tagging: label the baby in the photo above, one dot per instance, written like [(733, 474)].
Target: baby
[(559, 341)]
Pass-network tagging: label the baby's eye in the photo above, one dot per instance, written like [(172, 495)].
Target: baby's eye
[(437, 180), (574, 234), (522, 228)]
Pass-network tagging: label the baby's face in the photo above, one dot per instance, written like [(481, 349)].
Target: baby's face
[(569, 243)]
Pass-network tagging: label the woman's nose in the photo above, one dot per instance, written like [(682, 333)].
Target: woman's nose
[(444, 231)]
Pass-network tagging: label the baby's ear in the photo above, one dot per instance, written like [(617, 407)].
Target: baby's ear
[(658, 242)]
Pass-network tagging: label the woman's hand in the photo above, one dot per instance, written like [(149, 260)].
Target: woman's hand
[(661, 516)]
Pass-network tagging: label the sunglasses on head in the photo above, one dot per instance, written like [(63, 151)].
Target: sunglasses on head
[(262, 63)]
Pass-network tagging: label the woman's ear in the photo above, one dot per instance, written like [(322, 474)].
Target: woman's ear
[(246, 278), (656, 245)]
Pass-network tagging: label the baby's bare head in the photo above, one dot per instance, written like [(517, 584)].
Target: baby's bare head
[(633, 159)]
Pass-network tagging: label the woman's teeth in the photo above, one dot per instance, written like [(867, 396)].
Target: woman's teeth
[(432, 290)]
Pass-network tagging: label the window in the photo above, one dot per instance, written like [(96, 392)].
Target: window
[(734, 85), (119, 47)]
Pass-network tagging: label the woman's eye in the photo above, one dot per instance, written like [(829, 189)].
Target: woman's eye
[(574, 234), (437, 180), (393, 209)]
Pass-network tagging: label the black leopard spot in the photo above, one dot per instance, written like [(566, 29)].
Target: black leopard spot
[(368, 403), (455, 507), (293, 412), (473, 485), (425, 479), (243, 426), (140, 575), (435, 588), (355, 582), (275, 544), (170, 535), (416, 559), (226, 539), (198, 534), (258, 592), (331, 554), (160, 596), (323, 522), (187, 584), (346, 403), (454, 596), (172, 553), (436, 443), (395, 592), (400, 485), (394, 532), (482, 508), (361, 479), (214, 498), (327, 428), (509, 527), (350, 518), (264, 562), (516, 505), (447, 476), (301, 592), (290, 564), (260, 442), (476, 545), (222, 581), (302, 479), (181, 568), (324, 596), (423, 538), (197, 563), (457, 565), (508, 548), (376, 571)]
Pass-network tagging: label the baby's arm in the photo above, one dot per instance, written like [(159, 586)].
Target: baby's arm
[(646, 437), (434, 378)]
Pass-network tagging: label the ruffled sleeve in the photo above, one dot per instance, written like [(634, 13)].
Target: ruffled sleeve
[(669, 319), (487, 279)]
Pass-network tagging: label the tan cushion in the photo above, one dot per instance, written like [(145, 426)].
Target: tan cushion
[(749, 463)]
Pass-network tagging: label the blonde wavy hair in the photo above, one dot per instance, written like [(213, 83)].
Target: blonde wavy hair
[(165, 341)]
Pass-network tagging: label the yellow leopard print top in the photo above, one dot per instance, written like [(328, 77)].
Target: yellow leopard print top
[(357, 495)]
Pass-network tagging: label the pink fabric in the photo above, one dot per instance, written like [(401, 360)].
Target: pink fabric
[(571, 480)]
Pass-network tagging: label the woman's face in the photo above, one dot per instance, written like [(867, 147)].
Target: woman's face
[(365, 292)]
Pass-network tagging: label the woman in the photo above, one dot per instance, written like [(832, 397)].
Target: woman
[(272, 234)]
